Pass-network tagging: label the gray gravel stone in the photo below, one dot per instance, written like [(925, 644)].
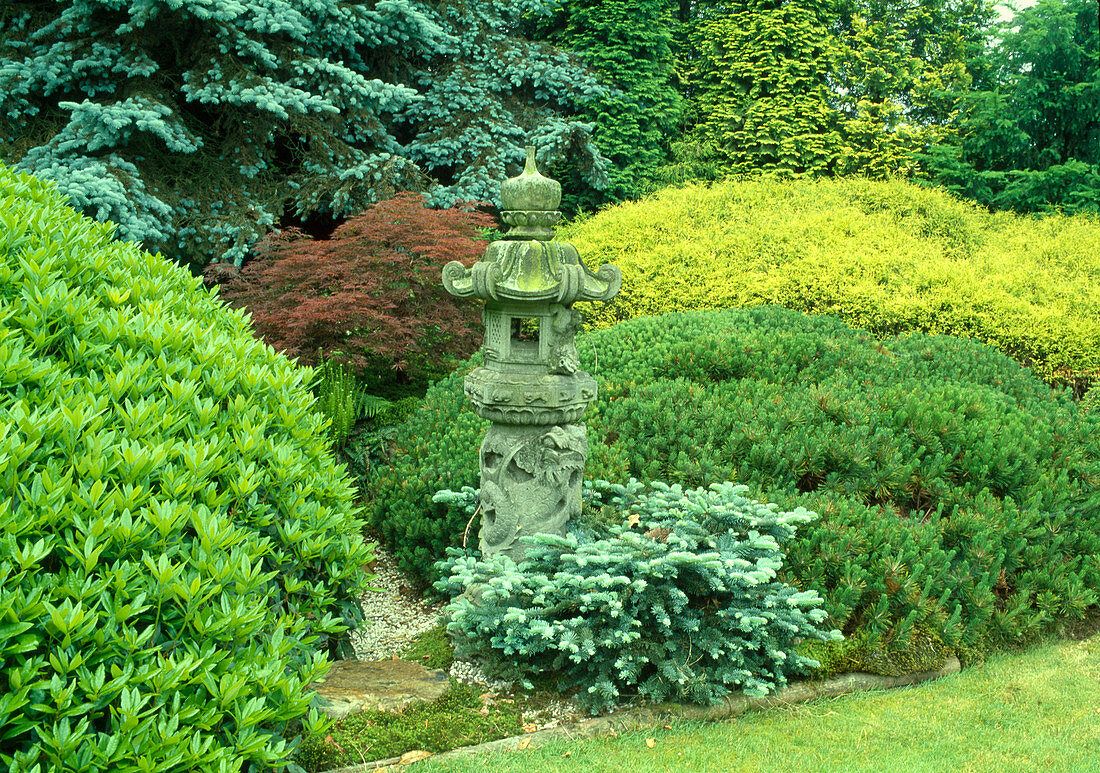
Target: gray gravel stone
[(393, 615)]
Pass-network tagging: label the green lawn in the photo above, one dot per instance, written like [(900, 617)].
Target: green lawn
[(1036, 711)]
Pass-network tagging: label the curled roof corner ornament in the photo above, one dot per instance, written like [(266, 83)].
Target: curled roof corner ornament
[(612, 279), (457, 280), (480, 280)]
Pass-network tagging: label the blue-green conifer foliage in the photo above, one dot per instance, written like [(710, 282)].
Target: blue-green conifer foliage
[(196, 125), (663, 592)]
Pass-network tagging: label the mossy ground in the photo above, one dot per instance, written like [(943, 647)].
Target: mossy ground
[(431, 649), (924, 651), (467, 715), (463, 716)]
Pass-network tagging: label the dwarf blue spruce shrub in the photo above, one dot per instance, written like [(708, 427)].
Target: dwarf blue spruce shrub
[(178, 549), (664, 592)]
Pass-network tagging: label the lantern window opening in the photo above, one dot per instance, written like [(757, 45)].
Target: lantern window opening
[(526, 329), (526, 337)]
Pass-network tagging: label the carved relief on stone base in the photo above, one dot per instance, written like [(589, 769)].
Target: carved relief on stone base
[(530, 483), (526, 398)]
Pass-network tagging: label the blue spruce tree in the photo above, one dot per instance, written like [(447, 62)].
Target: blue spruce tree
[(196, 125)]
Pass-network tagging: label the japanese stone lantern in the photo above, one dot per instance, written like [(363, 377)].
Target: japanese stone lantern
[(530, 386)]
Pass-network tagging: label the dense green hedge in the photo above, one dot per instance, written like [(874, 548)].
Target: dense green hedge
[(886, 256), (958, 493), (177, 546)]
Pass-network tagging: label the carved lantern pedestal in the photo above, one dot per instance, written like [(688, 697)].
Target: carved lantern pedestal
[(530, 386)]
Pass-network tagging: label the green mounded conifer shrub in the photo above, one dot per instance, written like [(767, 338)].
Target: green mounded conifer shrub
[(178, 548), (889, 257), (675, 598), (958, 495)]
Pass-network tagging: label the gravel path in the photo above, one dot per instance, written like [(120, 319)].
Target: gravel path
[(395, 614), (392, 616)]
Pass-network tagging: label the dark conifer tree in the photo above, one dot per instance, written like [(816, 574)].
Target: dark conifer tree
[(628, 43), (1029, 140)]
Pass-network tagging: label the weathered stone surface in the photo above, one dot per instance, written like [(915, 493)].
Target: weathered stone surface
[(530, 483), (530, 386), (523, 398), (528, 265), (387, 685), (530, 191)]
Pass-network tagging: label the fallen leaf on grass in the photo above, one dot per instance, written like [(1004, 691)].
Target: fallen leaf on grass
[(566, 754), (523, 744), (414, 756), (530, 727), (651, 742)]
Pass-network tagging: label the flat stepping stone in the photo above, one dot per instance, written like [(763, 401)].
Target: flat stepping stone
[(386, 685)]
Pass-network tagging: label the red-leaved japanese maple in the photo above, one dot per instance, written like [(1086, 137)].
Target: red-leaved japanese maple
[(370, 295)]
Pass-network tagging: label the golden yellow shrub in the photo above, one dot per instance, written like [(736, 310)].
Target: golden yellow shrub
[(886, 256)]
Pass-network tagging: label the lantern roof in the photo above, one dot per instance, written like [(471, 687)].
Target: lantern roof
[(528, 263)]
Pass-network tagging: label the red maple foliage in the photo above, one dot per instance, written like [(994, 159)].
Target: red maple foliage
[(370, 295)]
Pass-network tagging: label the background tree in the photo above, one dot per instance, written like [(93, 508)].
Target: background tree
[(487, 92), (821, 86), (763, 91), (907, 53), (1030, 139), (628, 43), (195, 126)]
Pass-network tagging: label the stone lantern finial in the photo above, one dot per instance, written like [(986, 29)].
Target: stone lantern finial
[(530, 387), (529, 202)]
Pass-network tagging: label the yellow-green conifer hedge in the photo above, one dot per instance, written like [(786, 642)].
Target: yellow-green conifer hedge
[(886, 256)]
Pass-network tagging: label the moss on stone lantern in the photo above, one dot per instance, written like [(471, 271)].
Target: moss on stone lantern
[(530, 386)]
